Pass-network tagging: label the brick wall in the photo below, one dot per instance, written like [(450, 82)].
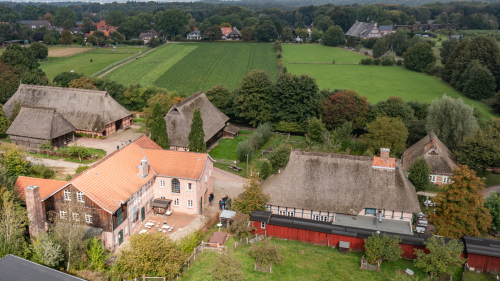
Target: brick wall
[(36, 214)]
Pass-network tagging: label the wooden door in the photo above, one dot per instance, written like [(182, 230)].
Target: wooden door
[(143, 214)]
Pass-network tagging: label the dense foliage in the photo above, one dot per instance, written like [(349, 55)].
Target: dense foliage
[(443, 257), (197, 134), (382, 247), (419, 173), (386, 132), (492, 202), (345, 106), (252, 198), (477, 82), (159, 127), (419, 57)]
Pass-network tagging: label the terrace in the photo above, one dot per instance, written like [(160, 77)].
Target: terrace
[(176, 220)]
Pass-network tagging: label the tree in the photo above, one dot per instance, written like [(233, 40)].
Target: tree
[(295, 98), (442, 257), (266, 254), (279, 157), (9, 81), (82, 83), (252, 198), (345, 106), (78, 151), (266, 31), (216, 32), (244, 148), (87, 25), (316, 35), (15, 110), (254, 98), (192, 24), (419, 57), (63, 14), (227, 268), (15, 164), (492, 202), (241, 226), (334, 37), (451, 120), (315, 129), (459, 210), (265, 169), (66, 37), (286, 34), (65, 78), (49, 17), (392, 107), (166, 101), (477, 82), (446, 49), (385, 132), (419, 173), (197, 135), (19, 59), (151, 254), (4, 121), (13, 222), (221, 97), (323, 23), (379, 48), (49, 253), (159, 127), (247, 34), (39, 50), (115, 18), (481, 150), (92, 40), (171, 21), (95, 254), (382, 247)]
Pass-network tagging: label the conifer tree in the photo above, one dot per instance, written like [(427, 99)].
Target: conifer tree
[(460, 210), (159, 128), (419, 173), (197, 135)]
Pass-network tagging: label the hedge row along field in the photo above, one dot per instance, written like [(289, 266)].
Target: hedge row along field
[(374, 82), (189, 67)]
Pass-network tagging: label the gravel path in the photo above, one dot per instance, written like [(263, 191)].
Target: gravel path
[(226, 183), (489, 190)]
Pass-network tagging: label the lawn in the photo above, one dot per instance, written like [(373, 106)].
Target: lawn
[(188, 68), (318, 53), (304, 262), (226, 149), (474, 276), (81, 64), (93, 151), (491, 179)]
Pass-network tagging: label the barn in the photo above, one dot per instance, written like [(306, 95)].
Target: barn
[(483, 254)]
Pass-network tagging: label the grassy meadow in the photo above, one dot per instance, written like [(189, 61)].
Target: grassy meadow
[(374, 82), (189, 67), (81, 63), (318, 53)]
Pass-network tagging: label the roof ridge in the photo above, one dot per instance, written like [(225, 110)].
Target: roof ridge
[(186, 100), (334, 155), (195, 152), (53, 87)]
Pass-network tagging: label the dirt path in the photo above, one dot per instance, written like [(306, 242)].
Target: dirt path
[(487, 192), (104, 74), (226, 183)]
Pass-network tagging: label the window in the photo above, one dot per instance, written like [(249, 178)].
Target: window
[(188, 187), (262, 225), (315, 217), (67, 195), (210, 173), (433, 179), (290, 214), (445, 179), (79, 197), (323, 218), (76, 217), (206, 178), (162, 183), (282, 213), (88, 218), (176, 186), (176, 202), (125, 230), (190, 203), (62, 214), (371, 211)]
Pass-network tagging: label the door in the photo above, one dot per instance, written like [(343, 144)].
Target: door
[(120, 237), (143, 214), (119, 218), (201, 206)]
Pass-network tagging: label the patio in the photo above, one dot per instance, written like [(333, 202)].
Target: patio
[(157, 223)]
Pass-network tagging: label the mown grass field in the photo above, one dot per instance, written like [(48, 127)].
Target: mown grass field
[(304, 262), (81, 63), (318, 53), (374, 82), (189, 67)]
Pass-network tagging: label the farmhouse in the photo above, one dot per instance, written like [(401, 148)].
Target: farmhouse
[(364, 30), (195, 35), (34, 24), (386, 29), (439, 157), (88, 111), (234, 35), (225, 32), (180, 117), (119, 192), (356, 191), (146, 37)]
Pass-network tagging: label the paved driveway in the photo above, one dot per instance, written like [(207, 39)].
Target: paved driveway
[(110, 143), (226, 183)]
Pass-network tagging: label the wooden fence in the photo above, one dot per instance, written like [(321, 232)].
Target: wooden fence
[(367, 266)]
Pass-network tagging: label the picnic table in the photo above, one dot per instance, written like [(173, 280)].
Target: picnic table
[(235, 168)]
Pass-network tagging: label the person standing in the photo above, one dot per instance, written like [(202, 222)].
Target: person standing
[(220, 204)]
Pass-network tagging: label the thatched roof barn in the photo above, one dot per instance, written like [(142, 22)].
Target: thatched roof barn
[(33, 126), (87, 110), (439, 157), (341, 184), (180, 117)]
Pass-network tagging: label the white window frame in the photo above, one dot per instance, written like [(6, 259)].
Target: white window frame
[(290, 214), (125, 230), (323, 218), (189, 187), (190, 203), (162, 183), (76, 217), (176, 202), (282, 213), (62, 214), (206, 178), (67, 195), (315, 217), (263, 225), (88, 218), (79, 196), (433, 178), (445, 179)]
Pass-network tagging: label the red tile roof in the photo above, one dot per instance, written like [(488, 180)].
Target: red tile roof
[(187, 165), (226, 30), (386, 163), (47, 186)]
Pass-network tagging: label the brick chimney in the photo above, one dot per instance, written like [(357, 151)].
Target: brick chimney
[(35, 211), (143, 168), (384, 153)]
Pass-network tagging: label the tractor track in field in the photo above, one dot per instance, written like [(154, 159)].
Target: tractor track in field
[(114, 68)]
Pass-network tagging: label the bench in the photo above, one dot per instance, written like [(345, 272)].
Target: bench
[(235, 168)]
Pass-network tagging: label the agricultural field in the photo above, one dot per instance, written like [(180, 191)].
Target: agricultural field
[(318, 53), (55, 52), (81, 63), (374, 82), (189, 67)]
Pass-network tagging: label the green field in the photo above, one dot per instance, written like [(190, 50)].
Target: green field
[(318, 53), (374, 82), (81, 63), (189, 67)]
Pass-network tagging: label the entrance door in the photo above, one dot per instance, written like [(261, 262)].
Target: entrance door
[(143, 214), (201, 206), (120, 237)]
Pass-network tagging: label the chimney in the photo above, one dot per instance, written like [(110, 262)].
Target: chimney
[(35, 211), (384, 153), (143, 168)]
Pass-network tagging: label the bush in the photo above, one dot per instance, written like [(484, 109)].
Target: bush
[(81, 168), (277, 46), (419, 173), (477, 82), (367, 61), (243, 149), (265, 169), (265, 130), (95, 254), (240, 225), (65, 78), (315, 129), (382, 247), (279, 157), (387, 62), (399, 62), (289, 127), (41, 171), (279, 56), (376, 61), (46, 145), (188, 243), (227, 267), (266, 254), (78, 151)]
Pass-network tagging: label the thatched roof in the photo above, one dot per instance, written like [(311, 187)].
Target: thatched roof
[(39, 123), (87, 110), (439, 157), (340, 183), (360, 29), (180, 117)]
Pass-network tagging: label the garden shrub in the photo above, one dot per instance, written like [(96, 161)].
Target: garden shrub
[(265, 169), (376, 61), (366, 61), (227, 267), (279, 157), (382, 247), (399, 62), (81, 168), (279, 55), (419, 173), (243, 149), (289, 127), (95, 254), (277, 46), (266, 254), (265, 130), (240, 226), (41, 171), (387, 62), (188, 243)]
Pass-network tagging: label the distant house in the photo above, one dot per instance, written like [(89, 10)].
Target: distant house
[(16, 268), (106, 33), (457, 37), (180, 117), (152, 31), (103, 26), (345, 190), (195, 35), (225, 32), (88, 111), (234, 35), (386, 29), (439, 157), (34, 24), (76, 30), (364, 30), (146, 37)]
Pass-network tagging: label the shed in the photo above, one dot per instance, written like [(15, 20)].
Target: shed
[(160, 205), (230, 132), (225, 217), (217, 239), (344, 247), (16, 268)]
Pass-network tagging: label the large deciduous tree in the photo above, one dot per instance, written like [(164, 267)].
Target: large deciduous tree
[(333, 36), (222, 98), (9, 81), (159, 127), (247, 33), (265, 31), (254, 98), (443, 257), (64, 14), (460, 209), (392, 107), (171, 21), (385, 132), (345, 106), (477, 82), (451, 120), (446, 49), (252, 198), (67, 37), (197, 135), (166, 101), (419, 173), (40, 51), (419, 57)]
